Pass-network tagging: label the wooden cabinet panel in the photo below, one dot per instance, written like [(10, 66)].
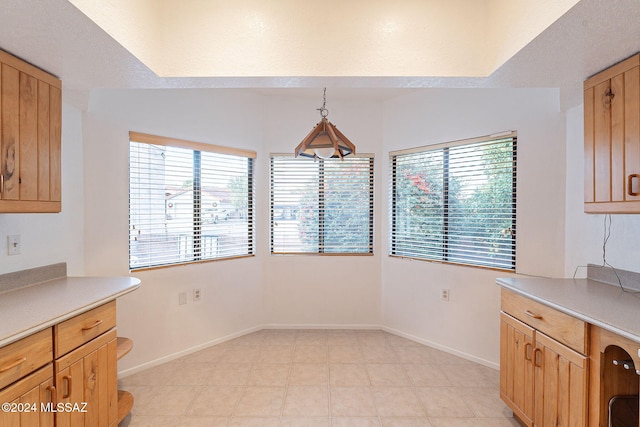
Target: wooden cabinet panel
[(30, 138), (89, 374), (562, 327), (560, 384), (84, 327), (36, 389), (516, 368), (612, 139), (25, 356), (10, 155)]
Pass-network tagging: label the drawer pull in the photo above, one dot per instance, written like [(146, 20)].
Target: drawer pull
[(527, 351), (13, 365), (537, 360), (95, 325), (630, 179), (532, 314)]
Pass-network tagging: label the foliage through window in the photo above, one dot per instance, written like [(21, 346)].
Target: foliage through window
[(322, 206), (456, 202), (188, 202)]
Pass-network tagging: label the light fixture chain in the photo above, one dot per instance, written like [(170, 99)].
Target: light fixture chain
[(323, 110)]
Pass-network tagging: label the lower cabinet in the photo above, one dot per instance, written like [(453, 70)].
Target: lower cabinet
[(544, 381), (86, 381), (29, 401)]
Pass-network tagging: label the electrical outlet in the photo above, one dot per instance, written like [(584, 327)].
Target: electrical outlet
[(197, 294), (182, 298), (444, 294), (13, 244)]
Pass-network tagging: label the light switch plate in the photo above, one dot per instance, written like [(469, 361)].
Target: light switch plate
[(13, 244)]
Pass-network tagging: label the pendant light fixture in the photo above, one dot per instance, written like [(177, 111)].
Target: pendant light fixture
[(325, 140)]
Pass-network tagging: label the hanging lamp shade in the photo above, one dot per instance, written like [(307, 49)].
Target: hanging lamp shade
[(325, 140)]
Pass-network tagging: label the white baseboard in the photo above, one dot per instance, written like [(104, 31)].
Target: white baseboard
[(279, 326), (446, 349)]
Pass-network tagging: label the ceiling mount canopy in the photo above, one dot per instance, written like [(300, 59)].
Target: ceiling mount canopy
[(325, 140)]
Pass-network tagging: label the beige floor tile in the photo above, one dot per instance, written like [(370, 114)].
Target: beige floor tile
[(230, 374), (405, 422), (372, 339), (355, 422), (456, 422), (189, 421), (154, 421), (426, 375), (309, 374), (241, 354), (254, 339), (443, 402), (475, 376), (345, 354), (311, 338), (254, 422), (309, 401), (352, 402), (216, 401), (342, 338), (348, 375), (414, 354), (269, 375), (387, 374), (485, 402), (170, 401), (280, 338), (500, 422), (189, 374), (380, 354), (305, 422), (261, 401), (276, 354), (398, 341), (444, 358), (397, 402), (310, 353), (142, 394)]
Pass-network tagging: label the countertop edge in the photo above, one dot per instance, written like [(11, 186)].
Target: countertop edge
[(69, 314), (510, 284)]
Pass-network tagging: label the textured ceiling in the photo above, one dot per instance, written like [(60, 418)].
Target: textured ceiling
[(249, 38), (57, 37)]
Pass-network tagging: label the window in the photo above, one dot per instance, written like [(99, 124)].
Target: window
[(322, 206), (456, 202), (188, 201)]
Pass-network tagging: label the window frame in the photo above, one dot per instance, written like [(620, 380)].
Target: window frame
[(198, 148), (446, 233), (322, 230)]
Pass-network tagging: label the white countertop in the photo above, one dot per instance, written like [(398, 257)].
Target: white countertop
[(33, 308), (601, 304)]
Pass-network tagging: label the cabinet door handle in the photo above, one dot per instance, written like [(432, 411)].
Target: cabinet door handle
[(527, 351), (532, 314), (67, 381), (95, 325), (537, 362), (630, 179), (13, 364), (52, 393)]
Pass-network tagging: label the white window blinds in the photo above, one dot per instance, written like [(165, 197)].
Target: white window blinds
[(322, 206), (188, 202), (456, 202)]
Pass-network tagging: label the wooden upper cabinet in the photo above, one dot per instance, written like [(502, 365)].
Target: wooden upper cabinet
[(612, 139), (30, 137)]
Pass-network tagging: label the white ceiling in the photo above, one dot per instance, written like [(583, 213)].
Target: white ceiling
[(57, 37)]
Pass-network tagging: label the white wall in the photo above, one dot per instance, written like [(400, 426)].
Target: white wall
[(585, 232), (52, 238), (231, 290), (469, 323), (329, 291)]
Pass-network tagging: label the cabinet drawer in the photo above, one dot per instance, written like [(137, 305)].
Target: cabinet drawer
[(25, 356), (84, 327), (560, 326)]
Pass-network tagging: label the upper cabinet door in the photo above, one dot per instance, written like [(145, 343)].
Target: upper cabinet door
[(30, 138), (612, 139)]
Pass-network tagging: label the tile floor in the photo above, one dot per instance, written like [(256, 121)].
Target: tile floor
[(309, 378)]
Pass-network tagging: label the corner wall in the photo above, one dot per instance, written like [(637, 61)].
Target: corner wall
[(469, 323)]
